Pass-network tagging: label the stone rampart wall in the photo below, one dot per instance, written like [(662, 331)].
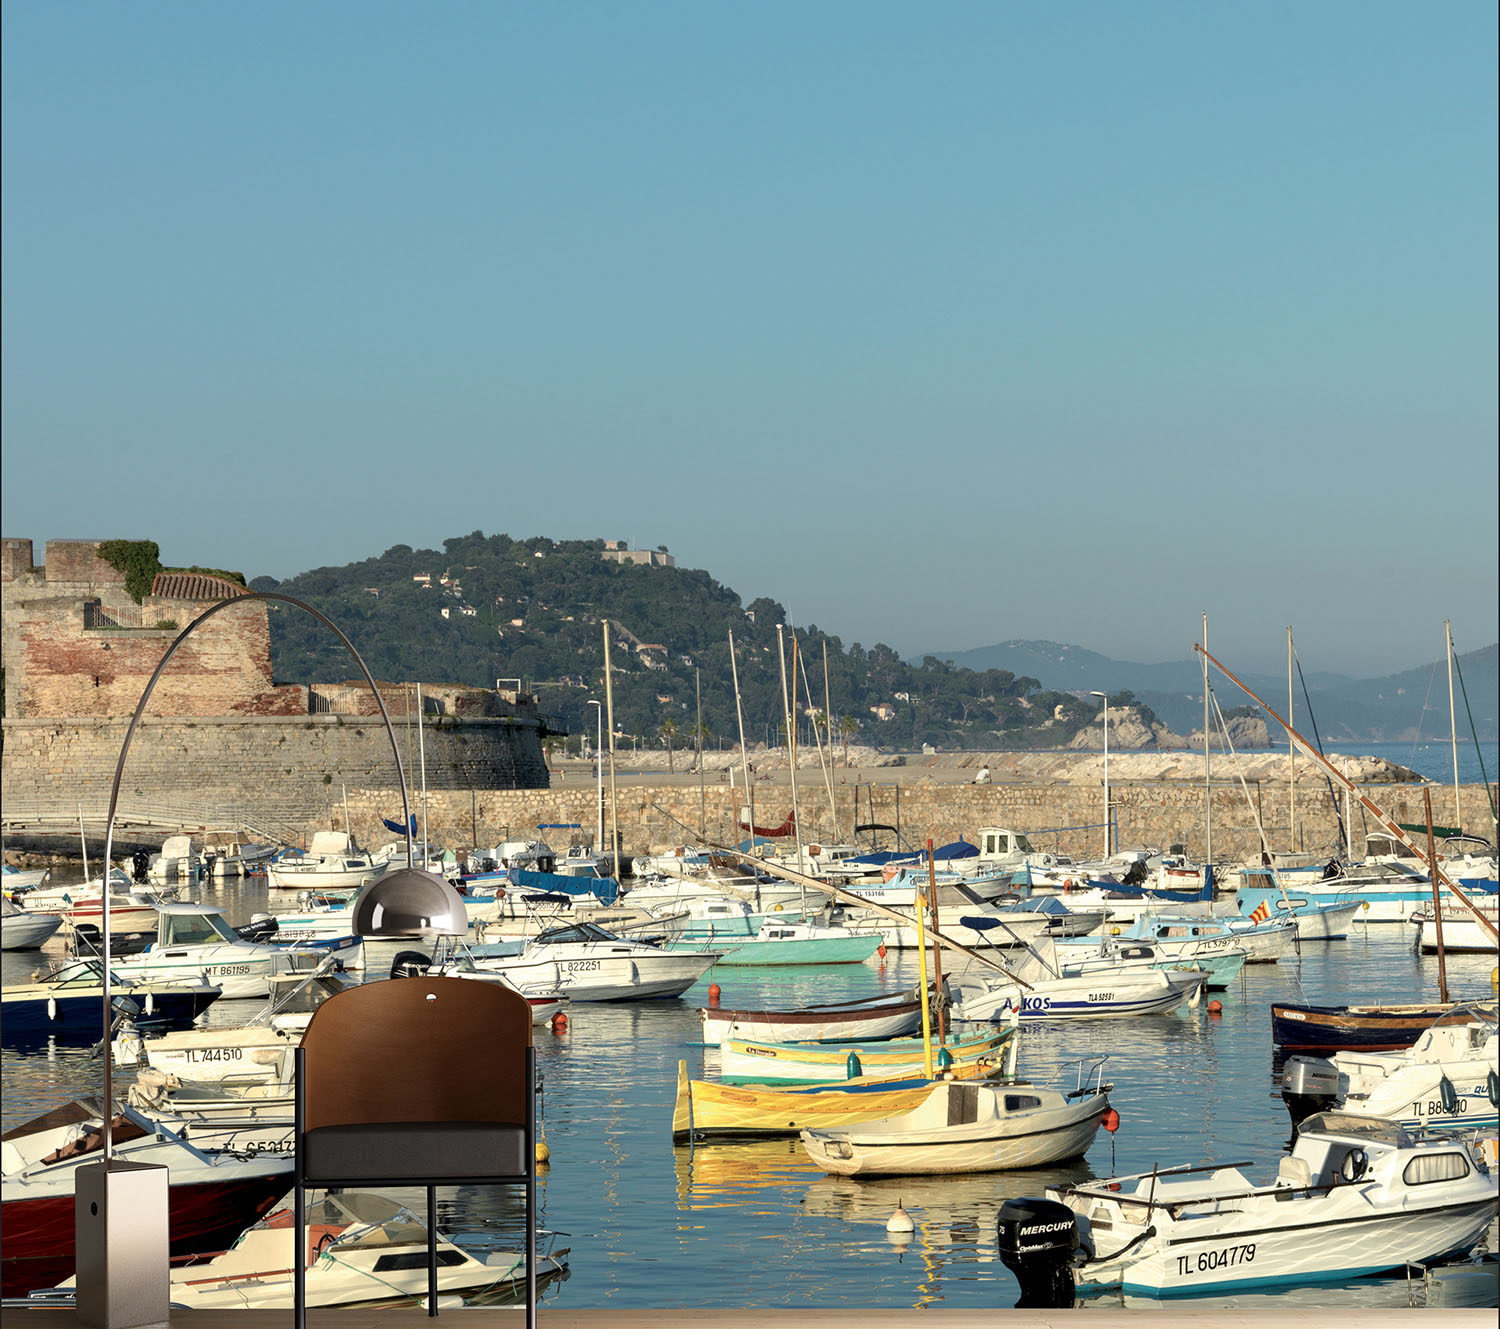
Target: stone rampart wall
[(284, 772), (653, 817)]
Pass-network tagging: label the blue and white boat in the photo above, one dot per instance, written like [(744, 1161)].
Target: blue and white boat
[(68, 1003)]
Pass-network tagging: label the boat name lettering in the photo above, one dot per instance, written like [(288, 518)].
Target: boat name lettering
[(579, 966), (1209, 1260)]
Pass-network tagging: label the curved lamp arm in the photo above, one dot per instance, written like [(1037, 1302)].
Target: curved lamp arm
[(114, 794)]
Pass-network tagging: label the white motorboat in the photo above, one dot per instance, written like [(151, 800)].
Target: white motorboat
[(13, 878), (1038, 989), (586, 963), (131, 910), (1356, 1196), (1447, 1079), (178, 860), (1462, 932), (956, 922), (193, 939), (969, 1126), (1263, 942), (363, 1250), (25, 929), (324, 872)]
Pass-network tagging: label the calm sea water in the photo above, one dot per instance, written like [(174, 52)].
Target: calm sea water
[(755, 1224)]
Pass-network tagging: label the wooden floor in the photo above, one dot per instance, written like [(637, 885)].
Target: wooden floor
[(1091, 1317)]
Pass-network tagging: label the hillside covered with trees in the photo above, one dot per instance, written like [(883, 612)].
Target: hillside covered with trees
[(485, 608)]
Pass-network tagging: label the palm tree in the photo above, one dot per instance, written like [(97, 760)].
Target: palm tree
[(668, 731), (848, 727)]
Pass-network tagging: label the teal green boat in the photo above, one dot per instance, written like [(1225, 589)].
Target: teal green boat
[(789, 943)]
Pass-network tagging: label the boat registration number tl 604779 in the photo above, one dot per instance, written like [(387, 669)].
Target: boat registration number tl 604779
[(1208, 1261)]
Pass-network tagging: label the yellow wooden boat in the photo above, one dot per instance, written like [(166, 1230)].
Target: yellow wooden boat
[(706, 1108)]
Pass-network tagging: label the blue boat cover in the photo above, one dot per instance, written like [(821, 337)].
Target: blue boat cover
[(397, 827), (606, 888)]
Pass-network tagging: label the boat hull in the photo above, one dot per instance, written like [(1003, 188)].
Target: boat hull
[(889, 1017), (1356, 1028), (746, 1061)]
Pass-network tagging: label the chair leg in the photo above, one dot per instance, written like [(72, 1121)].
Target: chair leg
[(299, 1249), (432, 1293), (531, 1247)]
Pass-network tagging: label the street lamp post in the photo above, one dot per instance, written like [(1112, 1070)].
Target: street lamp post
[(599, 774), (1108, 847)]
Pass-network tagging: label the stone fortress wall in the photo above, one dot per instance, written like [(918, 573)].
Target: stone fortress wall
[(218, 731)]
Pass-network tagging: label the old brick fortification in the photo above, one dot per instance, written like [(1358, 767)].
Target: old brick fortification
[(218, 731)]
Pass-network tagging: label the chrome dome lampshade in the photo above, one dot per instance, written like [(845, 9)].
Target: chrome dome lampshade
[(407, 902)]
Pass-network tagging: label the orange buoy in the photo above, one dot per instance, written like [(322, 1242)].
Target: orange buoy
[(880, 950), (1216, 1008), (559, 1023), (1111, 1121), (713, 996)]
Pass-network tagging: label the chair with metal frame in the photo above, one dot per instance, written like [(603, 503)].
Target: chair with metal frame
[(416, 1081)]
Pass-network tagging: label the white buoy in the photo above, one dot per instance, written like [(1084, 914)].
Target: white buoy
[(900, 1221)]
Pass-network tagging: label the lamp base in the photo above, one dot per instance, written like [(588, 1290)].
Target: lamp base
[(123, 1246)]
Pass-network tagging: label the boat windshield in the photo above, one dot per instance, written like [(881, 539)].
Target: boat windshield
[(194, 930), (575, 932), (1350, 1125)]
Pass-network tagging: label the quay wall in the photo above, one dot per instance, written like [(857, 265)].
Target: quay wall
[(285, 774), (655, 817)]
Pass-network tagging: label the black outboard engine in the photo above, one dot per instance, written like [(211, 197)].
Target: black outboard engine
[(139, 862), (410, 964), (1308, 1085), (1037, 1241)]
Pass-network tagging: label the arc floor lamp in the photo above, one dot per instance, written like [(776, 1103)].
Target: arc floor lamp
[(121, 1208)]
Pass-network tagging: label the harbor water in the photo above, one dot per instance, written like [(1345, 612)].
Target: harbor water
[(755, 1224)]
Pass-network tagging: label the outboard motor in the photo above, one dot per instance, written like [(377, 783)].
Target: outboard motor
[(139, 862), (1308, 1085), (410, 964), (1037, 1240)]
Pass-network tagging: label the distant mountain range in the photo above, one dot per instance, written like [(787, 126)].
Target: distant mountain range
[(1372, 709)]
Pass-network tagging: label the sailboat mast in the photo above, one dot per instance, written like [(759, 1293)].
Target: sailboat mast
[(828, 733), (1291, 748), (1458, 821), (614, 802), (1387, 823), (702, 791), (1208, 789), (739, 712), (421, 757), (791, 736)]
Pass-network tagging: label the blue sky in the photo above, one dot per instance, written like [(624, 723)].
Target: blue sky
[(942, 324)]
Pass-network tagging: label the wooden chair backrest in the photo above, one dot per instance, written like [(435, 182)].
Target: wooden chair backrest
[(417, 1049)]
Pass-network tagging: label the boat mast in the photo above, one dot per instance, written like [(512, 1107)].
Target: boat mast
[(702, 792), (828, 733), (1387, 823), (739, 712), (1208, 789), (422, 758), (614, 802), (1291, 748), (791, 735), (1458, 823)]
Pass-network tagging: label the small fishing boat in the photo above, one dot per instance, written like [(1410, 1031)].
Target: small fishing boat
[(13, 878), (67, 1003), (1356, 1196), (1447, 1079), (130, 910), (888, 1015), (213, 1194), (1263, 942), (746, 1061), (708, 1108), (969, 1126), (1219, 966), (363, 1249), (1371, 1028), (333, 862), (25, 929), (1325, 917)]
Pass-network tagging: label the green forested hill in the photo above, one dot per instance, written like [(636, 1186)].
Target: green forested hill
[(559, 592)]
